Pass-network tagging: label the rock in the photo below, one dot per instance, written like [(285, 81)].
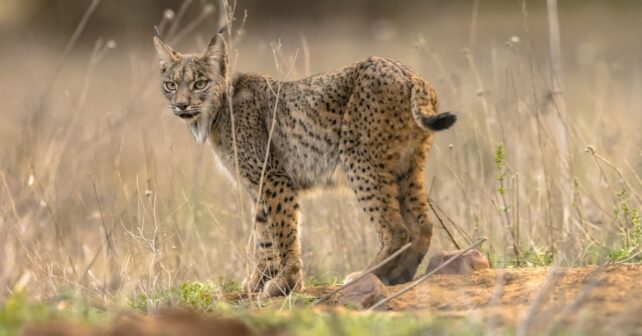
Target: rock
[(508, 277), (444, 306), (363, 293), (351, 277), (465, 264)]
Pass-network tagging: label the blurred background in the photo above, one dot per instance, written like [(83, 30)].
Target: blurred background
[(103, 191)]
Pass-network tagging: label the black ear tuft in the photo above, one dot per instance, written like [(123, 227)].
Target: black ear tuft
[(440, 121), (222, 29)]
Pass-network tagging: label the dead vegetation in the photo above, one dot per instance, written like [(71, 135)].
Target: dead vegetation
[(103, 194)]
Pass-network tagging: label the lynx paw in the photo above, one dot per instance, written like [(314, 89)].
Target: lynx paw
[(256, 281), (283, 285)]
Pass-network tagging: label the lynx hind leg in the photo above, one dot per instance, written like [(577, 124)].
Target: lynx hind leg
[(376, 191), (266, 257), (413, 200), (281, 208)]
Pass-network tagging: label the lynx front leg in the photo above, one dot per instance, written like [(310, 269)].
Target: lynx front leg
[(266, 257), (280, 206)]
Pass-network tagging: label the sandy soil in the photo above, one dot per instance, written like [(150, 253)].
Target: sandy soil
[(608, 299), (590, 300)]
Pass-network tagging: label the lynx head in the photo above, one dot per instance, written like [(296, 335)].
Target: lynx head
[(194, 84)]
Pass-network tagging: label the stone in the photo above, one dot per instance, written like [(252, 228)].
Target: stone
[(508, 277), (364, 293), (465, 264), (350, 277)]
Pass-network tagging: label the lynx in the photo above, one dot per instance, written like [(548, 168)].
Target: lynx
[(371, 122)]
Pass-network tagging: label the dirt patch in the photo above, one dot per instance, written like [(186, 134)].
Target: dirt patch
[(594, 298), (589, 299)]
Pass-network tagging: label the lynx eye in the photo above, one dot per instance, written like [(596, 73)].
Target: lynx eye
[(201, 84), (169, 86)]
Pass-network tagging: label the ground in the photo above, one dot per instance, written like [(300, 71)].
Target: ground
[(604, 299), (588, 300)]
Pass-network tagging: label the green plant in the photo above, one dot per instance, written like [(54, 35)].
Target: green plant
[(18, 310), (501, 173), (630, 230), (535, 257), (500, 168)]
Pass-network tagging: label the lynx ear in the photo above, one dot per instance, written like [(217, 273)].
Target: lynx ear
[(216, 53), (166, 54)]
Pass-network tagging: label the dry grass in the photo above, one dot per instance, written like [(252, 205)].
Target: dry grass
[(103, 192)]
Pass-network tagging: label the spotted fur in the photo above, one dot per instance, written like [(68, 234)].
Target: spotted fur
[(371, 121)]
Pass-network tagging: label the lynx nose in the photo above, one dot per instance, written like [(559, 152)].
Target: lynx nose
[(181, 106)]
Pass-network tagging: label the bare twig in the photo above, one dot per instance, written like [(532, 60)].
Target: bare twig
[(179, 17), (450, 236), (482, 93), (74, 37), (629, 258), (560, 126), (193, 24), (306, 55), (591, 150), (461, 231), (473, 26)]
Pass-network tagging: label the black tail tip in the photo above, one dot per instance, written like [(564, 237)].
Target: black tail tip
[(440, 121)]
